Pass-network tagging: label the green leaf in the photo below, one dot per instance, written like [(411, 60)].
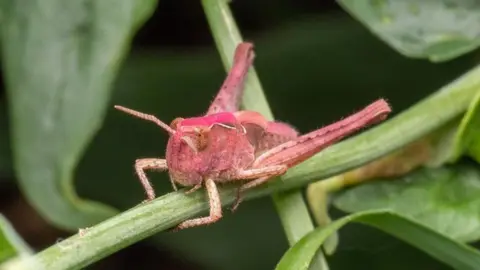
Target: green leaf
[(467, 140), (437, 30), (11, 244), (60, 58), (444, 249), (446, 199)]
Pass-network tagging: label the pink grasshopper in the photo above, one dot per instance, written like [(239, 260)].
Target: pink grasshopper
[(229, 145)]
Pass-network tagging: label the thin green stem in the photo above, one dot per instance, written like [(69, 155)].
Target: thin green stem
[(292, 199), (165, 212), (292, 208)]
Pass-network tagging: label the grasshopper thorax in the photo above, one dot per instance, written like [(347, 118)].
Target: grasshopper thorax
[(213, 146)]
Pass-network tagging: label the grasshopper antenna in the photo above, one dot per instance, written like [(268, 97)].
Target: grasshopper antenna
[(147, 117)]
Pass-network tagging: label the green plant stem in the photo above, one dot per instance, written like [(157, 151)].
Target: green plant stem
[(165, 212), (292, 208)]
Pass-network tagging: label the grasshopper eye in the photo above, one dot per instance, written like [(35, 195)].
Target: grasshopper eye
[(175, 122)]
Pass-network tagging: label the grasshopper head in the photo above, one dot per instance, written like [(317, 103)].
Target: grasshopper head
[(195, 131)]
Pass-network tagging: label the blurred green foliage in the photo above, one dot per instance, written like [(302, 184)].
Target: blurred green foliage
[(436, 30), (57, 107), (446, 199), (438, 246), (466, 140), (11, 244)]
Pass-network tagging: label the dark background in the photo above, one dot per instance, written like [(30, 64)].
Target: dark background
[(316, 64)]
